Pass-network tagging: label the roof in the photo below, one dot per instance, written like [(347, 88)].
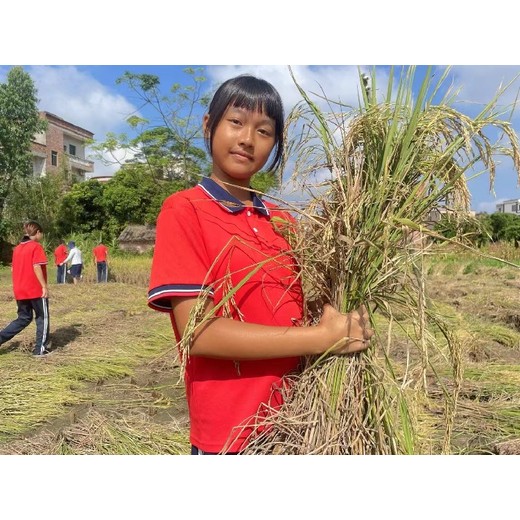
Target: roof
[(100, 178), (137, 233), (59, 120)]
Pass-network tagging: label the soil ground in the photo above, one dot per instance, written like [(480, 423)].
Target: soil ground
[(112, 384), (127, 383)]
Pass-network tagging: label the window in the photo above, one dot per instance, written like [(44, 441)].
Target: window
[(72, 149), (515, 208), (64, 147), (54, 158)]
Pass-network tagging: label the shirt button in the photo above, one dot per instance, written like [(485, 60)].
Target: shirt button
[(248, 213), (255, 230)]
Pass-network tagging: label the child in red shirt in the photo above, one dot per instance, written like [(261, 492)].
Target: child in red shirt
[(60, 253), (220, 236), (29, 274), (100, 253)]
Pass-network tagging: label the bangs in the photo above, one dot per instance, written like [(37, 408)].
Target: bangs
[(261, 102)]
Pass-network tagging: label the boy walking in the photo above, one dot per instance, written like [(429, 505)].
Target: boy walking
[(29, 274), (100, 253), (60, 253)]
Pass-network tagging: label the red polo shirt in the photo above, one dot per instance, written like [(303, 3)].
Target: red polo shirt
[(26, 255), (206, 239), (100, 253), (60, 253)]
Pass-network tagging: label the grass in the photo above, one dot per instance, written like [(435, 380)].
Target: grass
[(112, 386), (100, 333)]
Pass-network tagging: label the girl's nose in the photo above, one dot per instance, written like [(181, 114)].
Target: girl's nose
[(246, 136)]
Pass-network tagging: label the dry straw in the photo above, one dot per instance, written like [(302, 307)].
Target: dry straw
[(388, 164)]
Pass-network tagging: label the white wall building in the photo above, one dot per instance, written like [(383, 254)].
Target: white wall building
[(509, 206)]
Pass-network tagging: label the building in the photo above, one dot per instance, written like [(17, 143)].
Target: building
[(509, 206), (137, 238), (436, 214), (99, 178), (62, 145)]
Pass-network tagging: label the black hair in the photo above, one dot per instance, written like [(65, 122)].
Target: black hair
[(251, 93)]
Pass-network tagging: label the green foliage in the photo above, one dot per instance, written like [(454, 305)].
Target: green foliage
[(36, 199), (82, 210), (169, 145), (465, 228), (265, 182), (19, 122), (512, 231), (134, 196), (499, 222)]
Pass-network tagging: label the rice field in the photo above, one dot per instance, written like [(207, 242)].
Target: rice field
[(112, 384)]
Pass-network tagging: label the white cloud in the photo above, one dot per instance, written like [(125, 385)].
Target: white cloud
[(80, 99), (488, 206), (111, 162), (337, 82), (480, 83)]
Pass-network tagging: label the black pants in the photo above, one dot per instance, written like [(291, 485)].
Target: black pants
[(101, 271), (26, 308), (61, 272), (197, 451)]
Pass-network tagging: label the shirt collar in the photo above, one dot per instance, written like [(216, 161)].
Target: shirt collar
[(227, 201)]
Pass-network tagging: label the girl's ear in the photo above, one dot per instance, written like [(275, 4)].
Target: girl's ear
[(205, 129)]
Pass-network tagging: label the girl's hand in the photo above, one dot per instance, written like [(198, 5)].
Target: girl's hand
[(347, 333)]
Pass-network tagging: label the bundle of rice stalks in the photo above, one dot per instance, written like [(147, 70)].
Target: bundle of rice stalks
[(387, 165)]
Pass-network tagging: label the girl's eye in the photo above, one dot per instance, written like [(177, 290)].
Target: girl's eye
[(265, 132), (235, 121)]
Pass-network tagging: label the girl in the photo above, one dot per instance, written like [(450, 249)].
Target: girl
[(29, 273), (220, 240)]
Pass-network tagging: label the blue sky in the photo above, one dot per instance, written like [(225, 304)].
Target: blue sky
[(88, 96), (75, 64)]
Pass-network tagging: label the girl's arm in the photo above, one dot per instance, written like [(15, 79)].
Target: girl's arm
[(39, 274), (69, 256), (226, 338)]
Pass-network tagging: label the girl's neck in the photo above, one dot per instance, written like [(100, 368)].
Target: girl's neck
[(238, 191)]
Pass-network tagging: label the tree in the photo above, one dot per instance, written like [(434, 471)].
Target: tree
[(170, 143), (35, 199), (133, 196), (499, 223), (82, 210), (19, 122), (512, 232), (475, 230), (265, 182)]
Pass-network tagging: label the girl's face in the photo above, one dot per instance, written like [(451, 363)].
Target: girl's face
[(242, 143)]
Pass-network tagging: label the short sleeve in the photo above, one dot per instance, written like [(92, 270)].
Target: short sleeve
[(39, 257), (180, 263)]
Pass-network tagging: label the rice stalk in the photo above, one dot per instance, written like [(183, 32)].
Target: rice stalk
[(387, 164)]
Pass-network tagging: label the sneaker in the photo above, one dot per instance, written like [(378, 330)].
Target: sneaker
[(46, 351), (43, 354)]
